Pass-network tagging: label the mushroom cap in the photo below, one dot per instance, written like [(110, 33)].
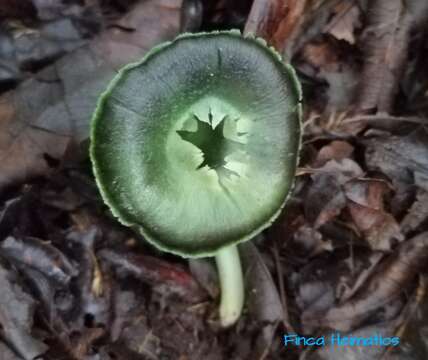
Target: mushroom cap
[(197, 144)]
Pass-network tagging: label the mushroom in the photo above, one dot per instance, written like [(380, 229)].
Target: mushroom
[(196, 147)]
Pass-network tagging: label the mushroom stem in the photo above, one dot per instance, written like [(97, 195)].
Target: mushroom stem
[(231, 284)]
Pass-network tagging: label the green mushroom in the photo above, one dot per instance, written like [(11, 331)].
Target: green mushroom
[(196, 147)]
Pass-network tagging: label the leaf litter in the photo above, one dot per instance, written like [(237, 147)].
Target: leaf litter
[(347, 255)]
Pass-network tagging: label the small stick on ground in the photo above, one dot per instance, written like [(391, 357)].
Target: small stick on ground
[(275, 20), (282, 294)]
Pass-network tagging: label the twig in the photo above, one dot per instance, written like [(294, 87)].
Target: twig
[(409, 312), (283, 296), (385, 117), (275, 20)]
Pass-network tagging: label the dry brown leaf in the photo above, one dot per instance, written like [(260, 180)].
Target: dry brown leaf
[(310, 241), (321, 55), (325, 198), (417, 214), (275, 20), (347, 19), (324, 61), (402, 158), (16, 318), (380, 229), (264, 301), (365, 204), (336, 150), (327, 279), (357, 352), (23, 148), (395, 274), (367, 192), (45, 113)]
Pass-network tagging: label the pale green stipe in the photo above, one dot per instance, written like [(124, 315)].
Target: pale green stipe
[(232, 285)]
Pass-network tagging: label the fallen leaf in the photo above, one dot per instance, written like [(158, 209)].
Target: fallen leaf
[(417, 214), (191, 15), (44, 291), (365, 205), (16, 317), (379, 228), (402, 158), (324, 62), (321, 56), (204, 271), (275, 21), (163, 276), (412, 323), (310, 241), (9, 215), (6, 353), (39, 255), (126, 306), (43, 32), (355, 352), (341, 89), (336, 150), (325, 198), (367, 192), (93, 286), (394, 275), (45, 113), (262, 297), (325, 280), (344, 23)]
